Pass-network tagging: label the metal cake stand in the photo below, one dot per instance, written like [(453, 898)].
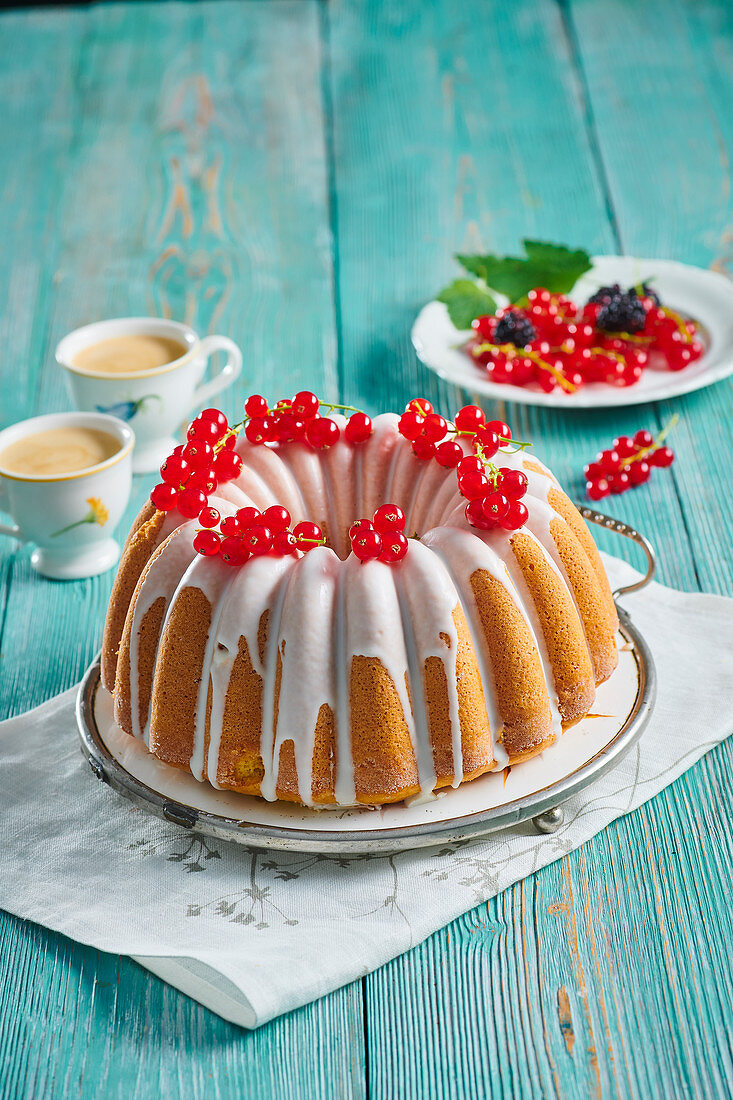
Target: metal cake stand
[(296, 831)]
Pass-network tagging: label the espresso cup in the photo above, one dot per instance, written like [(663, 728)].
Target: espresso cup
[(158, 401), (69, 516)]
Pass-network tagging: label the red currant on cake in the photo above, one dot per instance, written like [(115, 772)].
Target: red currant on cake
[(322, 432), (389, 517), (394, 547), (367, 544), (164, 497), (206, 543), (209, 517), (358, 428)]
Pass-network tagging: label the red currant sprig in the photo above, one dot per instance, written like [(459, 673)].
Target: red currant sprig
[(432, 437), (250, 533), (195, 468), (628, 462), (382, 537), (494, 494), (300, 418)]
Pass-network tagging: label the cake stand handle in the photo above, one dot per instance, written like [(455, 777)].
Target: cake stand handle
[(630, 533)]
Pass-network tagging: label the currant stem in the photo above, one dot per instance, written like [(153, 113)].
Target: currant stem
[(512, 352), (655, 444)]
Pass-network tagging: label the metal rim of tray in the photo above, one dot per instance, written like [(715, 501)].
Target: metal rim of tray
[(543, 807)]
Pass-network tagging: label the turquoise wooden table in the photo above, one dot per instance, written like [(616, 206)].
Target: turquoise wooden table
[(297, 175)]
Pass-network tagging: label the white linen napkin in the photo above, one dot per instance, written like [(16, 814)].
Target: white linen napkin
[(255, 934)]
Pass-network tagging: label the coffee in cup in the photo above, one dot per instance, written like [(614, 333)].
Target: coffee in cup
[(58, 451), (138, 351)]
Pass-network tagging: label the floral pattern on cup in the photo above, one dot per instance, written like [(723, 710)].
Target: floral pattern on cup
[(98, 513), (126, 410)]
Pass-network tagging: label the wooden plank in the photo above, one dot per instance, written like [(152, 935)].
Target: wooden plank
[(475, 126), (178, 166), (79, 1022), (665, 134)]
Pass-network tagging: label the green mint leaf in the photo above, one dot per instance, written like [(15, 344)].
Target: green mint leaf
[(466, 300), (550, 265)]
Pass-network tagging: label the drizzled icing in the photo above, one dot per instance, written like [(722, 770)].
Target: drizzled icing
[(324, 611)]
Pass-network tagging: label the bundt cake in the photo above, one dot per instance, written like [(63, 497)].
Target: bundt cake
[(325, 679)]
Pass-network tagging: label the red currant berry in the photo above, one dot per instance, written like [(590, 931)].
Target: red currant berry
[(394, 547), (469, 464), (190, 502), (283, 543), (434, 428), (209, 517), (448, 454), (495, 506), (258, 540), (639, 472), (423, 448), (358, 428), (625, 446), (619, 482), (198, 453), (470, 418), (233, 551), (322, 432), (248, 516), (360, 525), (164, 497), (516, 516), (500, 428), (305, 405), (389, 517), (206, 543), (288, 427), (231, 525), (593, 471), (259, 430), (474, 486), (411, 425), (597, 489), (256, 406), (227, 465), (489, 441), (208, 431), (512, 483), (609, 461), (484, 327), (276, 517), (175, 470), (643, 439), (475, 516), (663, 457), (218, 418), (177, 450), (420, 405), (367, 544), (307, 531), (204, 479)]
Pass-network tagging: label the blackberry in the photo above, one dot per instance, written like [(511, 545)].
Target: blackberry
[(645, 291), (624, 313), (605, 294), (514, 328)]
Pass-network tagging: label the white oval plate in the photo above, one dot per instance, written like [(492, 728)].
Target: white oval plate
[(704, 295)]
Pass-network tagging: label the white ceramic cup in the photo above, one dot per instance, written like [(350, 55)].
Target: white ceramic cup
[(69, 516), (156, 402)]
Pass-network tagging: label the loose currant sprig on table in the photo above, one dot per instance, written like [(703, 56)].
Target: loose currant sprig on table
[(628, 462)]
